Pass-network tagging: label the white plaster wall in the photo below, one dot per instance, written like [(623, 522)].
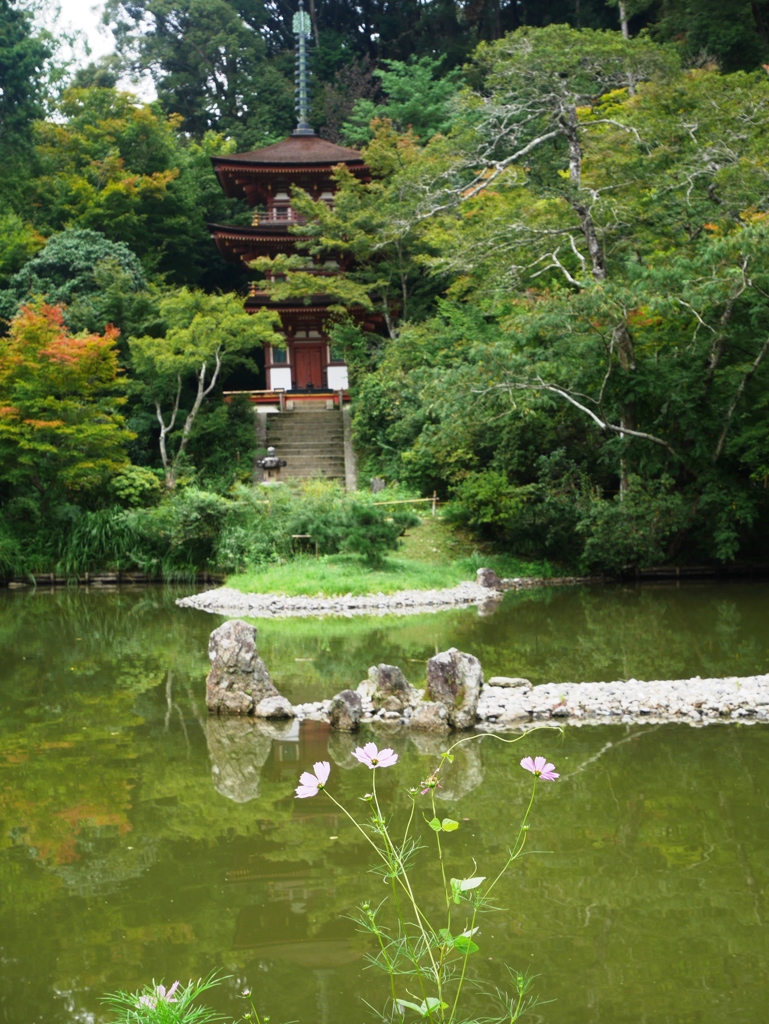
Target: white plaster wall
[(279, 377), (337, 378)]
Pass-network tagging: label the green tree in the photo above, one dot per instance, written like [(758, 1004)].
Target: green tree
[(23, 55), (64, 269), (98, 282), (18, 241), (619, 242), (371, 237), (210, 64), (418, 98), (735, 33), (201, 335), (112, 164)]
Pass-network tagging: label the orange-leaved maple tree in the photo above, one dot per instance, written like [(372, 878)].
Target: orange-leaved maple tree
[(61, 427)]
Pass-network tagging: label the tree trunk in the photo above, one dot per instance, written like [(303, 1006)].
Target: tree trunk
[(626, 33), (586, 223), (203, 393), (165, 430), (623, 342)]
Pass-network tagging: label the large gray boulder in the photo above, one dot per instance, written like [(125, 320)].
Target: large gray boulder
[(346, 711), (454, 679), (388, 688), (430, 716), (238, 679)]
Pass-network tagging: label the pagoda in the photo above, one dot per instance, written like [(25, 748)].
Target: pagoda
[(308, 366)]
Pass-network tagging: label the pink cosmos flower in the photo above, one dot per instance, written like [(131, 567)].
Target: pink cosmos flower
[(310, 785), (160, 996), (374, 758), (540, 767)]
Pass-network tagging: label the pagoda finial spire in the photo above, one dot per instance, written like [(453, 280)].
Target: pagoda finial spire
[(302, 28)]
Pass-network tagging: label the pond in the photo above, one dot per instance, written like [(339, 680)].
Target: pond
[(140, 839)]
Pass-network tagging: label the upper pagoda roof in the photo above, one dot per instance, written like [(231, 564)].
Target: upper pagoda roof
[(302, 159), (296, 150)]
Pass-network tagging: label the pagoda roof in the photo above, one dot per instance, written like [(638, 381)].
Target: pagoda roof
[(296, 150)]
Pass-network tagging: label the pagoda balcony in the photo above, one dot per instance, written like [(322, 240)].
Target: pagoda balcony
[(277, 217)]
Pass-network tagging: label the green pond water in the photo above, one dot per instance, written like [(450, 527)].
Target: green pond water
[(140, 839)]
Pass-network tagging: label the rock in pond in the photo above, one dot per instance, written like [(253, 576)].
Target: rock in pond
[(430, 716), (388, 688), (454, 679), (274, 707), (346, 711), (488, 578), (238, 679)]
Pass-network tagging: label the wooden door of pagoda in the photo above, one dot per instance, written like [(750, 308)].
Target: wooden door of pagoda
[(308, 360)]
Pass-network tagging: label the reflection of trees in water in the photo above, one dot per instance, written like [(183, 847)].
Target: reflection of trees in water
[(654, 845), (123, 639), (651, 631)]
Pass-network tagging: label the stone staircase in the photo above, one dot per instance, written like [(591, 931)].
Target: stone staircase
[(311, 442)]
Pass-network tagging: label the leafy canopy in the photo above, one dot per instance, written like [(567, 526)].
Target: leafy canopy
[(62, 431)]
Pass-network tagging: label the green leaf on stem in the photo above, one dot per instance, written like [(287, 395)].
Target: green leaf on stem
[(464, 944), (435, 825), (449, 825)]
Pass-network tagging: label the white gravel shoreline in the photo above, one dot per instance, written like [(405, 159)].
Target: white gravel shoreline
[(226, 601), (696, 701)]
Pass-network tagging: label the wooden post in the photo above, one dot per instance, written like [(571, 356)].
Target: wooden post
[(435, 499)]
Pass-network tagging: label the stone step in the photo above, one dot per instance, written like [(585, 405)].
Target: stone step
[(314, 475), (312, 466), (313, 431), (292, 435), (317, 447), (303, 428), (305, 417)]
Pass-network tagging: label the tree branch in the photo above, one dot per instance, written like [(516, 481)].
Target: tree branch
[(599, 422), (738, 394)]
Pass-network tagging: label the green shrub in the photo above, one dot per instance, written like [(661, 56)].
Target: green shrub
[(532, 520), (634, 530), (372, 533)]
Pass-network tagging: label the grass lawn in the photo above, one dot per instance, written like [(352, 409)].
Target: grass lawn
[(431, 555)]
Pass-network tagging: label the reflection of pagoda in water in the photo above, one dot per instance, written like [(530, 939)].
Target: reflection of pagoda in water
[(308, 366)]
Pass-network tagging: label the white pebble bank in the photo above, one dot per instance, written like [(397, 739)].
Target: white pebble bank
[(694, 700), (225, 601)]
